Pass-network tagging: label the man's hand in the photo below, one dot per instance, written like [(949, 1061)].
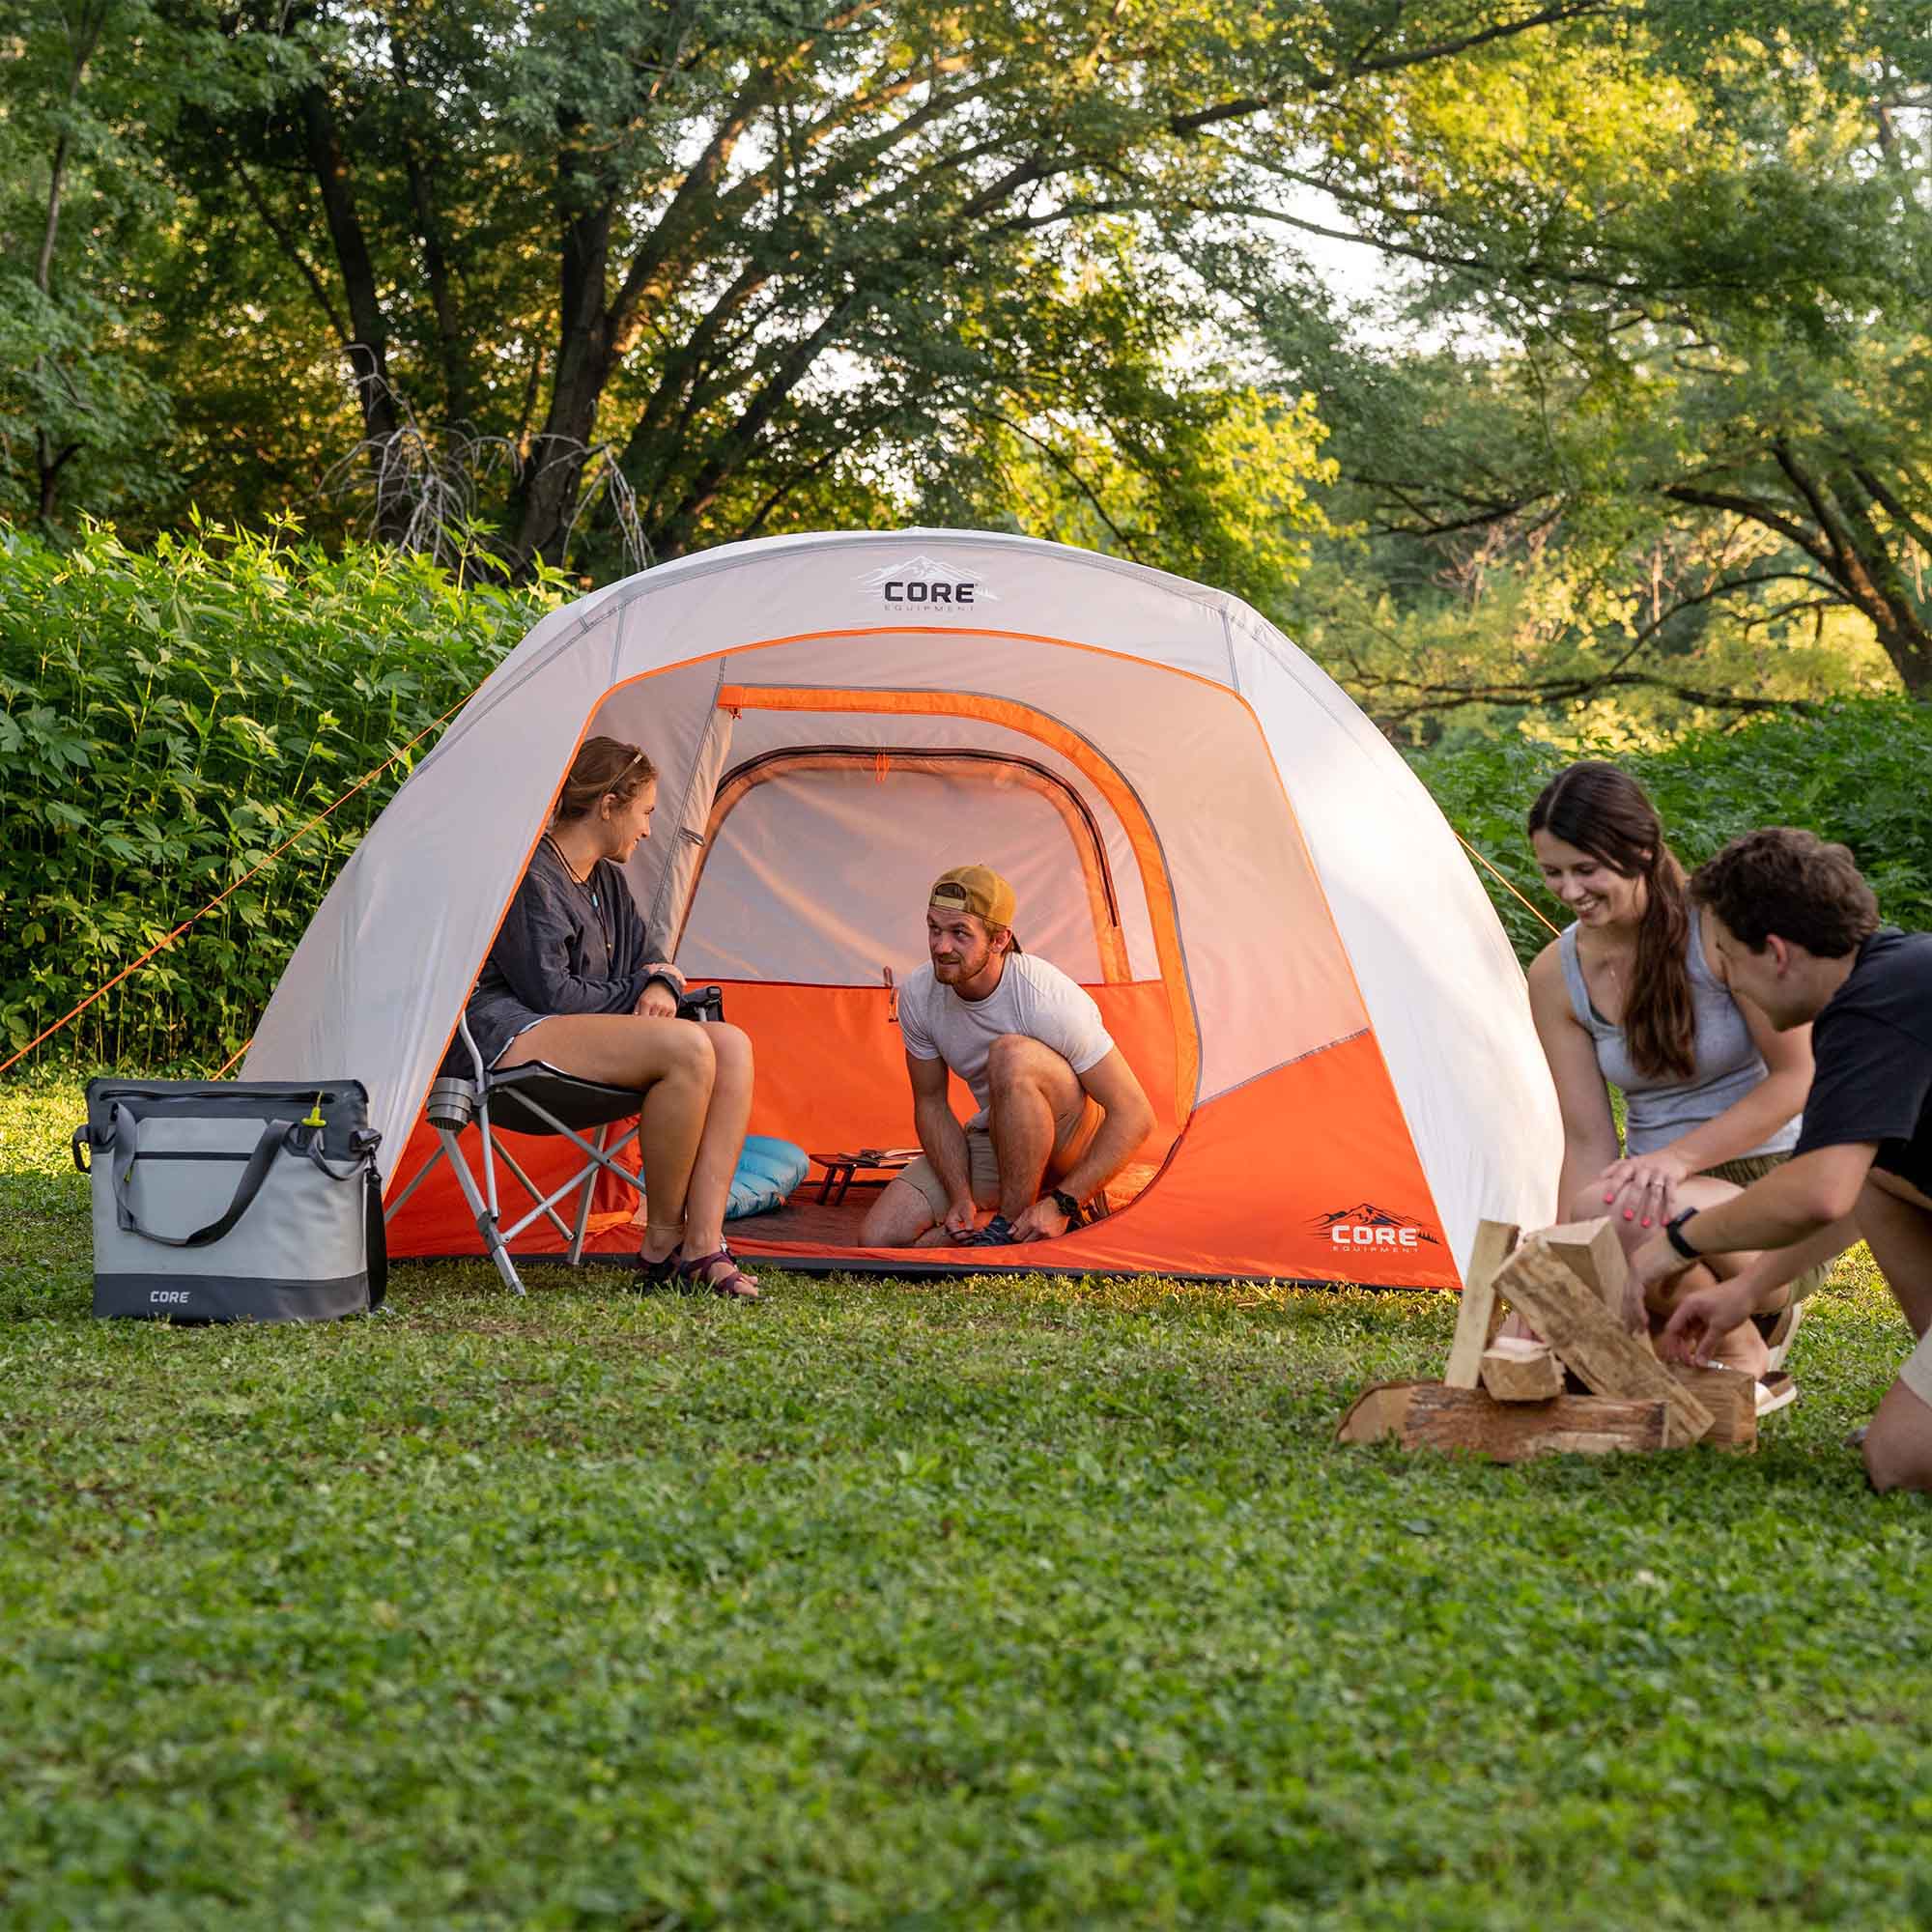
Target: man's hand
[(959, 1217), (1699, 1320), (1643, 1188), (1042, 1222)]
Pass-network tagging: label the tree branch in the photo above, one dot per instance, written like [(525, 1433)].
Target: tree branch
[(1752, 511), (289, 247)]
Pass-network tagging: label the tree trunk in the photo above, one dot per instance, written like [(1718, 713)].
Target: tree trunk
[(47, 461), (554, 466), (368, 349)]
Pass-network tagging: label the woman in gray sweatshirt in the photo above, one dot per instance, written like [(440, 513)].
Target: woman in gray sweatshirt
[(574, 980)]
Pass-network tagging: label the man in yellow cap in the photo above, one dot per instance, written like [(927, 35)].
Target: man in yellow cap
[(1058, 1105)]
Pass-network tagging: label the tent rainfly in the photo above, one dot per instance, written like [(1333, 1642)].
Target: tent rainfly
[(1202, 829)]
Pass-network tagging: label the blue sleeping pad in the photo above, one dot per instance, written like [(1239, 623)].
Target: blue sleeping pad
[(768, 1171)]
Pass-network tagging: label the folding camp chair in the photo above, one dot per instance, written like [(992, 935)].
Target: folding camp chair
[(534, 1097)]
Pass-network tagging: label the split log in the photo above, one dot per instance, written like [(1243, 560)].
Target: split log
[(1476, 1315), (1431, 1415), (1591, 1251), (1515, 1369), (1731, 1397), (1598, 1350)]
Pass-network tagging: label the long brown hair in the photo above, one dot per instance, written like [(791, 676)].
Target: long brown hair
[(603, 768), (1607, 814)]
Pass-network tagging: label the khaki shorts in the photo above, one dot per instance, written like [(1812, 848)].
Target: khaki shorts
[(1917, 1374), (1751, 1167), (983, 1164)]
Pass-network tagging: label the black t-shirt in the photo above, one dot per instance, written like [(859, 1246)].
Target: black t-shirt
[(1873, 1052)]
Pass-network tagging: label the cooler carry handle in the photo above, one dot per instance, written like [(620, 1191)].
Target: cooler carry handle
[(126, 1149)]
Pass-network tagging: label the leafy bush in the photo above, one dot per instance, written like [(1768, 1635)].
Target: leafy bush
[(1854, 771), (167, 719)]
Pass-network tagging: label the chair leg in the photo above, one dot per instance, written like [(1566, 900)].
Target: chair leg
[(531, 1188), (485, 1213), (583, 1199)]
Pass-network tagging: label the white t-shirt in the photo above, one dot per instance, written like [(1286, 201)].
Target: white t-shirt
[(1032, 998)]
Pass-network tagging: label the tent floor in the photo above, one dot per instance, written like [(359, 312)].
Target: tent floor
[(802, 1222)]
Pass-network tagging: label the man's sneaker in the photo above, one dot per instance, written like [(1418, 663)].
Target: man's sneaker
[(998, 1233)]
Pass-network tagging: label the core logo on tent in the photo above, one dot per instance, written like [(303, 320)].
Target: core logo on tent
[(1367, 1226), (926, 583), (171, 1295)]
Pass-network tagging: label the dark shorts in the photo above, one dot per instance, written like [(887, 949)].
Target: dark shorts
[(1911, 1161)]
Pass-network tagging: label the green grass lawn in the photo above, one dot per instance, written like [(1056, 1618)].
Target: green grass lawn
[(984, 1604)]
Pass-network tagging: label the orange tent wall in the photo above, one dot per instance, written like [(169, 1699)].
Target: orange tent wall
[(1325, 1130)]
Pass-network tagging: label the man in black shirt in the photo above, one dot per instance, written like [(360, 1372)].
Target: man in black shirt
[(1799, 932)]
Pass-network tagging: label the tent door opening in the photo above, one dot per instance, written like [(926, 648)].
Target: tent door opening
[(963, 777)]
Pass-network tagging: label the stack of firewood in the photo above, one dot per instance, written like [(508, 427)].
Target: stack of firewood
[(1584, 1384)]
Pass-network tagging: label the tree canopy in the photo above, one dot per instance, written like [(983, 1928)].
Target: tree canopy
[(1641, 412)]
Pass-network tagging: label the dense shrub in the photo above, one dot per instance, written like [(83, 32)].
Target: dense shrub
[(166, 719), (1855, 771)]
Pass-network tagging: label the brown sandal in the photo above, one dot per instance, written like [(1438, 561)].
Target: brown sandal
[(697, 1275), (656, 1274)]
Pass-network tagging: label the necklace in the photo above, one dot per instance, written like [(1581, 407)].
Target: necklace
[(589, 891)]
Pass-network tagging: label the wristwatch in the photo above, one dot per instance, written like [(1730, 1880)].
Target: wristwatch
[(1673, 1232), (1066, 1205)]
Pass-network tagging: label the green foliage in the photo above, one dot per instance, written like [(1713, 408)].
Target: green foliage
[(990, 1603), (1653, 431), (1853, 771), (166, 720)]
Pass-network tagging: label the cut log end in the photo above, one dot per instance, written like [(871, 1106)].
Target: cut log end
[(1515, 1369)]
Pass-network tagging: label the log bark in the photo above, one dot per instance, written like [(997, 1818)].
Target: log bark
[(1431, 1415)]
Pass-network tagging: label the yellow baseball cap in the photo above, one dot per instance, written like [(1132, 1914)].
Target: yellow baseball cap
[(975, 889)]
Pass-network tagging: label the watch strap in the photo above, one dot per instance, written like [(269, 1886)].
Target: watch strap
[(1673, 1232)]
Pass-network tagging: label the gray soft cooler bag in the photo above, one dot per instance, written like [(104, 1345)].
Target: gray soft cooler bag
[(240, 1201)]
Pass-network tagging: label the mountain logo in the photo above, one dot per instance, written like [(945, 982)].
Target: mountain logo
[(922, 582), (1367, 1226)]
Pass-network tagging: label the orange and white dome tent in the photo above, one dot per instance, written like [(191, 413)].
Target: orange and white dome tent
[(1277, 922)]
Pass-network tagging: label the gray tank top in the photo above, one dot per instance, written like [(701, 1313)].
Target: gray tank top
[(1659, 1107)]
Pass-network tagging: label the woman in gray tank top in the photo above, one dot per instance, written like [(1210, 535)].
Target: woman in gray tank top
[(1629, 995)]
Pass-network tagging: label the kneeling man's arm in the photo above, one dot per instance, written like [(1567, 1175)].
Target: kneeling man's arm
[(1794, 1213), (1129, 1120), (1791, 1204), (941, 1137)]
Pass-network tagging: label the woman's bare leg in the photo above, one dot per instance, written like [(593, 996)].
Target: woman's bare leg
[(722, 1141), (670, 1065)]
